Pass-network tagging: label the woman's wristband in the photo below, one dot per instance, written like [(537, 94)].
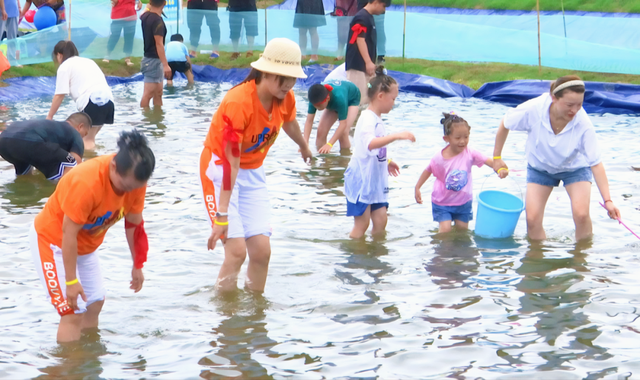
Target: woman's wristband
[(331, 145), (72, 282), (497, 157), (388, 161), (220, 223)]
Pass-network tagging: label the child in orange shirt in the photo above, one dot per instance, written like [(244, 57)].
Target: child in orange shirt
[(68, 231)]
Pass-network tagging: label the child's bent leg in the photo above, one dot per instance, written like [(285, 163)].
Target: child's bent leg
[(352, 115), (147, 94), (157, 97), (189, 74), (360, 224), (327, 120), (461, 225), (445, 226), (379, 219)]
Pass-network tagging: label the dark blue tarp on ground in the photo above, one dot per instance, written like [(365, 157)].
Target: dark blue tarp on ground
[(600, 97)]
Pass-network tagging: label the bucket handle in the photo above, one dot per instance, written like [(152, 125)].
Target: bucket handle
[(514, 181)]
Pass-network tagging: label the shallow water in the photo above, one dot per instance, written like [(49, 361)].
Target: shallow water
[(414, 306)]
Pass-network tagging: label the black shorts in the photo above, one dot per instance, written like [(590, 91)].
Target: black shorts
[(100, 115), (181, 67), (48, 158)]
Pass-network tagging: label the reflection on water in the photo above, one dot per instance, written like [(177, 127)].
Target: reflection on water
[(413, 305), (78, 360), (242, 333)]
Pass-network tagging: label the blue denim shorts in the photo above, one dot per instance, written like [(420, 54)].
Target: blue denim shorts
[(463, 213), (543, 178), (358, 208)]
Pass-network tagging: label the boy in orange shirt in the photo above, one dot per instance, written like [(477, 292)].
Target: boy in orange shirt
[(68, 231)]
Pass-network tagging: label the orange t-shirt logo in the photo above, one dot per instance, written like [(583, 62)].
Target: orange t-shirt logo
[(267, 137), (103, 223)]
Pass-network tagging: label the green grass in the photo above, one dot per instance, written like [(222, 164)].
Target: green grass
[(631, 6), (627, 6), (473, 75)]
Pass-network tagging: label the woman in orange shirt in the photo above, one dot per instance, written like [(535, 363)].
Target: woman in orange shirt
[(242, 130), (72, 225)]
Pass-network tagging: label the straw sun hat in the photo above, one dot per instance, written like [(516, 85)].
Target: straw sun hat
[(281, 56)]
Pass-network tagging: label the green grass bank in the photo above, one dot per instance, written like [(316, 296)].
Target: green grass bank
[(473, 75)]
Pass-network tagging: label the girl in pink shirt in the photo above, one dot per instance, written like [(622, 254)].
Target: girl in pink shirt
[(452, 195)]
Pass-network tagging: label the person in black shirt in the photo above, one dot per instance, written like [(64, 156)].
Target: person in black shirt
[(52, 147), (247, 12), (154, 65), (382, 37), (361, 47), (196, 11)]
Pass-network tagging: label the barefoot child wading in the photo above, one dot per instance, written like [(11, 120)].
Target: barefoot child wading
[(367, 177), (452, 195)]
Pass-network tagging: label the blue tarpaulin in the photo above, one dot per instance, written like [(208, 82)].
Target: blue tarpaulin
[(600, 97)]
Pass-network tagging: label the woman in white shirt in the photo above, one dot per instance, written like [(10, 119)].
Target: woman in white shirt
[(561, 146), (83, 79)]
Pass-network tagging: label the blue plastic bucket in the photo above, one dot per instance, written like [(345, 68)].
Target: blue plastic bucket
[(498, 214)]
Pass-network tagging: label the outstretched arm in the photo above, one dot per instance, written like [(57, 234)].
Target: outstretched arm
[(379, 142), (600, 175), (423, 178), (292, 129)]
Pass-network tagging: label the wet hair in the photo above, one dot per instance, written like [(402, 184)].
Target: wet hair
[(257, 75), (157, 3), (66, 48), (80, 117), (177, 37), (450, 120), (380, 82), (318, 93), (134, 155), (565, 79)]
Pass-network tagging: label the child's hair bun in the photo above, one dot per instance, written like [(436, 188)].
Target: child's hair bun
[(444, 119), (380, 70)]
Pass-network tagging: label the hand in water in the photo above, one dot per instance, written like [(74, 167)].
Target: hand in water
[(306, 154), (326, 148)]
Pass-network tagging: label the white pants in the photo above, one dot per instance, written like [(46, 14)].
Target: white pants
[(249, 208), (50, 267)]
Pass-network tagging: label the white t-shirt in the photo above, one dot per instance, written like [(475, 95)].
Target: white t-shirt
[(339, 73), (574, 148), (83, 80), (366, 179)]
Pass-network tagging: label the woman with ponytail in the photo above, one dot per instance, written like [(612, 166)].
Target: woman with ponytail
[(340, 100), (68, 231), (561, 146)]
